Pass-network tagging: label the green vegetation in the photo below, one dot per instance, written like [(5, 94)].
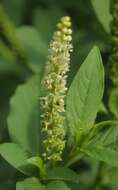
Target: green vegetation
[(58, 95)]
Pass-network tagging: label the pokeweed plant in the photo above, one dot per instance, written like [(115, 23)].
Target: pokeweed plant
[(52, 126)]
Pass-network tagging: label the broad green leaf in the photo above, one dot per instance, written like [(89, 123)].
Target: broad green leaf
[(38, 162), (85, 93), (14, 155), (62, 173), (23, 119), (100, 153), (30, 184), (105, 133), (34, 47), (102, 10), (113, 102), (8, 84), (57, 185)]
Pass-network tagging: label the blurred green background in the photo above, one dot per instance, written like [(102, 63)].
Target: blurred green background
[(26, 28)]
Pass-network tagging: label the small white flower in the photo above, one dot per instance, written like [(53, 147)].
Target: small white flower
[(55, 86)]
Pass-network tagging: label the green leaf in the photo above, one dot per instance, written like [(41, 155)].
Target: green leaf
[(23, 119), (30, 184), (38, 162), (58, 185), (105, 133), (100, 153), (85, 93), (113, 102), (34, 47), (102, 10), (14, 155), (62, 173)]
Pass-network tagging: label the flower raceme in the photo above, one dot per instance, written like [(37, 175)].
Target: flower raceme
[(54, 84)]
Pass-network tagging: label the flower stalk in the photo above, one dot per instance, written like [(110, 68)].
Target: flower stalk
[(54, 83)]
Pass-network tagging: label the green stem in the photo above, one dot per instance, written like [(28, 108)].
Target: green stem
[(73, 157), (99, 176), (106, 123)]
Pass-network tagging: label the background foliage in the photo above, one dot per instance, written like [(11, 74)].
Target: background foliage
[(26, 27)]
